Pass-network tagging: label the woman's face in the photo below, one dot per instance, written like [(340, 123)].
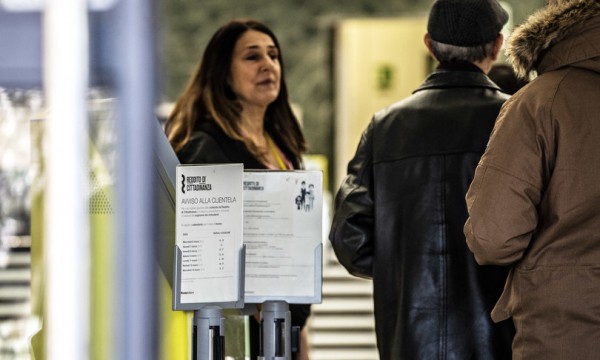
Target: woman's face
[(255, 70)]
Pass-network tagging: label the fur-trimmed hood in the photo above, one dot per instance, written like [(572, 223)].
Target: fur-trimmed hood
[(530, 42)]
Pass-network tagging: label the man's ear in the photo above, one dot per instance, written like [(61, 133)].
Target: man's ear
[(427, 41), (498, 46)]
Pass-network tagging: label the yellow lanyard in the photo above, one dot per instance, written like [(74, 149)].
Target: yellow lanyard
[(276, 153)]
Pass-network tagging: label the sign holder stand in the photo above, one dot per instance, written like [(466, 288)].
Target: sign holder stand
[(275, 331), (269, 219), (209, 338)]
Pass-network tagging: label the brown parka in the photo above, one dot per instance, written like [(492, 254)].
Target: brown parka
[(535, 200)]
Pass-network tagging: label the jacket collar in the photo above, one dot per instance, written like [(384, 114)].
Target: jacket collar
[(236, 151), (459, 65), (443, 78), (531, 47)]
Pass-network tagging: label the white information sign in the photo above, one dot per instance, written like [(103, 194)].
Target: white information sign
[(209, 233), (283, 235)]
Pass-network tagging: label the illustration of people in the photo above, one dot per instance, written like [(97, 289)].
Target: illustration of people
[(303, 193), (311, 197), (299, 202)]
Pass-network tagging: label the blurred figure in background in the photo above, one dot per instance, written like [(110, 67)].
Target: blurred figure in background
[(505, 77), (535, 200), (399, 213), (235, 109)]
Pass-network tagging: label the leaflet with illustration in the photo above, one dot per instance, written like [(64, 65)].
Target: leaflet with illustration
[(283, 216), (209, 235)]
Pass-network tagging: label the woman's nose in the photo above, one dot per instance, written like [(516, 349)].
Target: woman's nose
[(267, 64)]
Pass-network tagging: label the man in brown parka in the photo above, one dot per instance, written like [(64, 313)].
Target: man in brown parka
[(535, 200)]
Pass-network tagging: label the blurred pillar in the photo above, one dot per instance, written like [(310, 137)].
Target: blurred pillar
[(136, 312), (67, 247)]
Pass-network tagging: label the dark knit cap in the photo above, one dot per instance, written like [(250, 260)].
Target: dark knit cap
[(466, 22)]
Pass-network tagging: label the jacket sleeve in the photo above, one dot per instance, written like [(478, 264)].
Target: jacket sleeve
[(503, 198), (351, 232)]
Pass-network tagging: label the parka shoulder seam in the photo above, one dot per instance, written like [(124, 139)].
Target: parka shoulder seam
[(506, 172)]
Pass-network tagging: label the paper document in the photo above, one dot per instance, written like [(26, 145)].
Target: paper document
[(209, 234), (282, 230)]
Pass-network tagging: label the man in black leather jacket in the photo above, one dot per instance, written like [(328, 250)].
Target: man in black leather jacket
[(400, 211)]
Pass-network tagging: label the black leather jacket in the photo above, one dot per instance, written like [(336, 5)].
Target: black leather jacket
[(399, 220)]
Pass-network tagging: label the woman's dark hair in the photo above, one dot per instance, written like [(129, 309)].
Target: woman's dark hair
[(208, 97)]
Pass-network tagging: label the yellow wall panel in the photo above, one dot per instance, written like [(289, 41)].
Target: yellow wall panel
[(378, 61)]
